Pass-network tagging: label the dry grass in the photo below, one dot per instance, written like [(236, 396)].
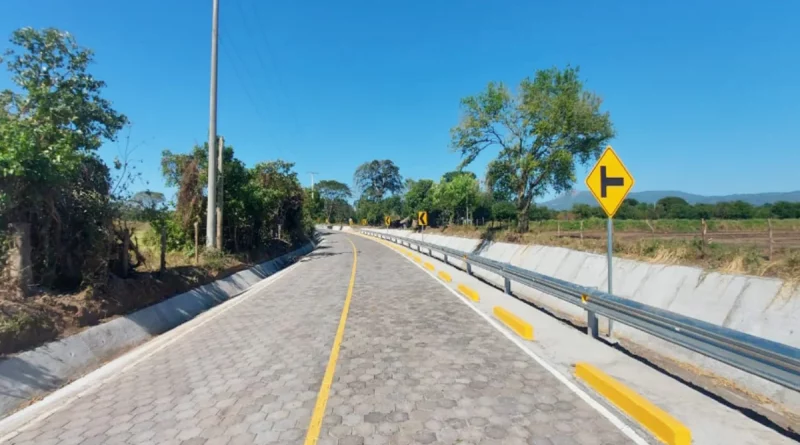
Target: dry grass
[(728, 257)]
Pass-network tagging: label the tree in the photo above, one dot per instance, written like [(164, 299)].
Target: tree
[(377, 178), (785, 209), (332, 192), (459, 194), (419, 196), (279, 197), (504, 211), (674, 207), (551, 124), (449, 176), (50, 176)]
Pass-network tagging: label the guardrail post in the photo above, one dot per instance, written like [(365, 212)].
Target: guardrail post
[(508, 286), (445, 259), (469, 268), (592, 325)]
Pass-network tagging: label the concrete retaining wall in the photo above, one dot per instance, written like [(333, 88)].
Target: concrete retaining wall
[(36, 372), (765, 307)]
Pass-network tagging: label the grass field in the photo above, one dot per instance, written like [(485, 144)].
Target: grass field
[(731, 246)]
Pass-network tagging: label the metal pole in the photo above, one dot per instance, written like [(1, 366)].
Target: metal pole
[(610, 237), (312, 183), (220, 187), (211, 216)]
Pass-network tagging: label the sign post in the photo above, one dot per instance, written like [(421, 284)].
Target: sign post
[(609, 181)]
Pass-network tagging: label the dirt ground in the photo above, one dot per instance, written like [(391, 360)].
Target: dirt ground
[(29, 322)]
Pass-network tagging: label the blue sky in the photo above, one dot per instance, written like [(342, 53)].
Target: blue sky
[(704, 97)]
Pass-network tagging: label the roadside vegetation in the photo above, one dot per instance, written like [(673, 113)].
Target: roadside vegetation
[(92, 235), (538, 134)]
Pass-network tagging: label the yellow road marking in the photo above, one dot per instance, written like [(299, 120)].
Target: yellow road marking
[(518, 325), (417, 259), (445, 276), (469, 293), (322, 398), (667, 428), (429, 266)]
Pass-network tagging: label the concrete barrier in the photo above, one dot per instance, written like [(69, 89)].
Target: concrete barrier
[(660, 423), (765, 307), (31, 374), (515, 323)]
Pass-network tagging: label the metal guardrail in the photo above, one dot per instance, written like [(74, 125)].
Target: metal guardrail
[(773, 361)]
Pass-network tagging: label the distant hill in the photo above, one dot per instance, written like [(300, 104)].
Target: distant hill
[(567, 200)]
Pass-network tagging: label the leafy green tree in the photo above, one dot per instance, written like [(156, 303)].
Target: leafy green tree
[(280, 199), (332, 193), (51, 125), (449, 176), (551, 124), (377, 178), (786, 210), (504, 211), (419, 196), (457, 196), (582, 211), (674, 207), (540, 213)]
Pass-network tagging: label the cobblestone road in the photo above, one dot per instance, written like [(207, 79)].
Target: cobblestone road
[(416, 366)]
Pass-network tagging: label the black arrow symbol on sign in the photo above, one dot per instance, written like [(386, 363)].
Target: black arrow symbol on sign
[(605, 181)]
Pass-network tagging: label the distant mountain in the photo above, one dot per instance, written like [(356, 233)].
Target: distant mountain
[(567, 200)]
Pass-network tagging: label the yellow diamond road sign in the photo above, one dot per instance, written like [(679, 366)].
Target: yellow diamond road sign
[(609, 181)]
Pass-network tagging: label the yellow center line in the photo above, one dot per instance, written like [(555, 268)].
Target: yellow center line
[(324, 390)]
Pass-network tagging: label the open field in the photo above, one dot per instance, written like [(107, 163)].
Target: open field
[(730, 246)]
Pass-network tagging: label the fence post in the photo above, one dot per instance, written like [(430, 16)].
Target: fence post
[(581, 230), (125, 255), (652, 229), (559, 228), (771, 244), (704, 231), (163, 264), (19, 262), (196, 243)]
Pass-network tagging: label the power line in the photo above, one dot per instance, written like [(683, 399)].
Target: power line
[(225, 51), (281, 87)]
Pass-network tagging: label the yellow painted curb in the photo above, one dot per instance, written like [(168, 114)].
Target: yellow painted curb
[(429, 266), (444, 276), (518, 325), (469, 293), (417, 259), (665, 427)]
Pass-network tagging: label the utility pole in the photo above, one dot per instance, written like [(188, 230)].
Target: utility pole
[(211, 220), (312, 183), (220, 150)]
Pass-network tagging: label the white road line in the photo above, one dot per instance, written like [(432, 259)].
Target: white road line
[(616, 421), (32, 415)]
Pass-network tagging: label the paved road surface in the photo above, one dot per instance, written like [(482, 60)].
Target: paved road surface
[(414, 366)]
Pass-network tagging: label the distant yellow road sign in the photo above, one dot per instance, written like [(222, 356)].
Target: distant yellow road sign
[(388, 220), (363, 222), (350, 221), (609, 181), (422, 218)]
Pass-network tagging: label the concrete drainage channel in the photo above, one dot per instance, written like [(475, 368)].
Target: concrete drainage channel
[(31, 374)]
